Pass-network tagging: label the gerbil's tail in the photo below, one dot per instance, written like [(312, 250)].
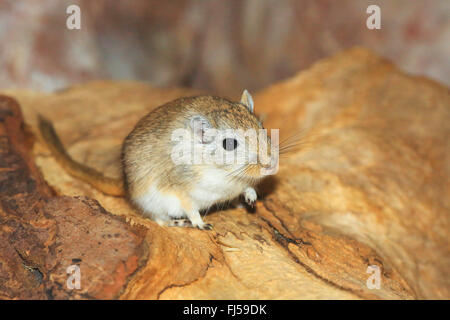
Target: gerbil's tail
[(77, 170)]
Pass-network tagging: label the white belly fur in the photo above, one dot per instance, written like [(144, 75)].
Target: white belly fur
[(209, 190), (159, 206), (214, 186)]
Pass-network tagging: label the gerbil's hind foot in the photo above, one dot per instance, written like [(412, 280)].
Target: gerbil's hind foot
[(187, 224), (205, 226), (196, 220), (180, 223), (175, 223)]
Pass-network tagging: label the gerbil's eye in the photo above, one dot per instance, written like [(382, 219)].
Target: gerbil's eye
[(229, 144)]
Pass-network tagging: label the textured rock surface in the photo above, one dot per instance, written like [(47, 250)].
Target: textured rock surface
[(369, 187), (43, 234)]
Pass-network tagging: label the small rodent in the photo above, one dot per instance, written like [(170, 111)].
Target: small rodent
[(164, 191)]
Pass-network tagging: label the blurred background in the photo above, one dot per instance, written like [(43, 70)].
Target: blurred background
[(220, 46)]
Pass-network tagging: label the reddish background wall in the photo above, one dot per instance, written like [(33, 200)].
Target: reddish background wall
[(221, 46)]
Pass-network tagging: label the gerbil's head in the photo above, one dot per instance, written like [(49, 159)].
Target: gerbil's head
[(228, 138)]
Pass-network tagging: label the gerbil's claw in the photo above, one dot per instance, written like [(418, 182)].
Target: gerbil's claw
[(251, 203), (250, 196), (205, 226)]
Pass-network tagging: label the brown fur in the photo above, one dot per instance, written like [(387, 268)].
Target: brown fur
[(95, 178), (151, 139), (146, 150)]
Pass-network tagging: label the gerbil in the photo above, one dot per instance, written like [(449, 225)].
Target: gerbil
[(161, 189)]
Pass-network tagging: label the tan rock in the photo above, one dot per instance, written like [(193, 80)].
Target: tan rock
[(369, 186)]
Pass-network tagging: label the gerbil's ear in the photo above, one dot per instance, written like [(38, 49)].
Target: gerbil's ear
[(247, 100), (199, 125)]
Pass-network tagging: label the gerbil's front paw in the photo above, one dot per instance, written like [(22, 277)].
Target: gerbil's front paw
[(205, 226), (250, 196)]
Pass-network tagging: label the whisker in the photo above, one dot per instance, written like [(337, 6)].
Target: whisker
[(240, 173), (234, 172), (297, 141), (294, 146), (294, 136)]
